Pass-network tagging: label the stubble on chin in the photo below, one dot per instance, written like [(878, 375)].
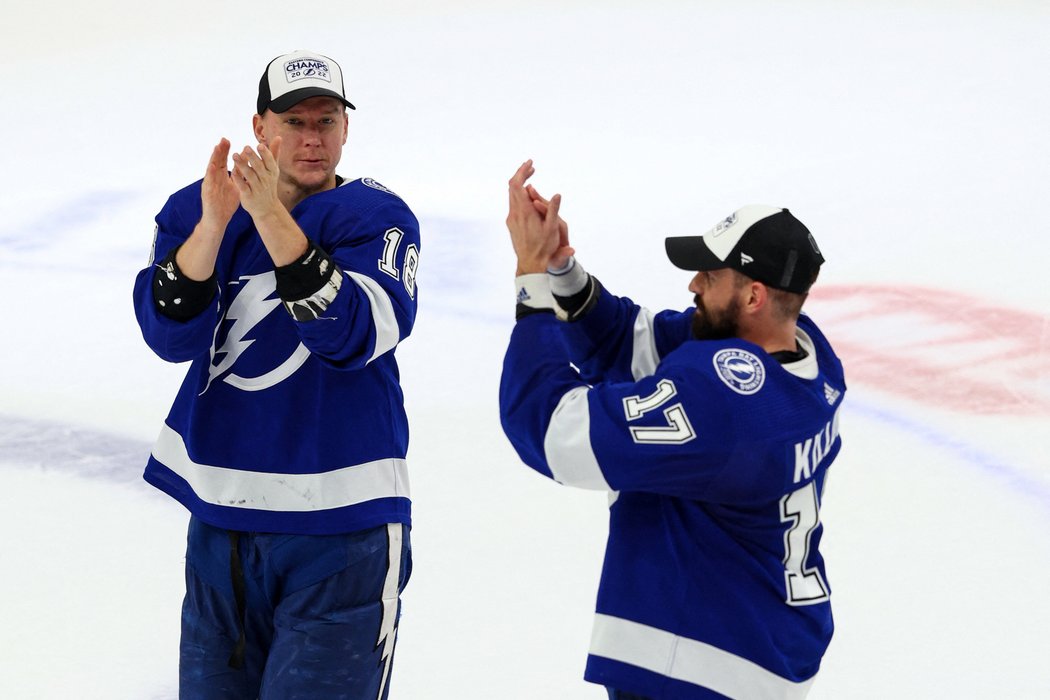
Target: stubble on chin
[(310, 185)]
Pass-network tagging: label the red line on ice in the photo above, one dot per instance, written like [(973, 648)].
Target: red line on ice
[(939, 347)]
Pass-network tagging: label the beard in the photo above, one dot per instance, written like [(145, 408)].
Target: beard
[(716, 325)]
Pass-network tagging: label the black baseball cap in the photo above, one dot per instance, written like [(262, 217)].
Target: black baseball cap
[(293, 77), (768, 244)]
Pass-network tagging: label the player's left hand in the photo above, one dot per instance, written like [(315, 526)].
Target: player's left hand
[(257, 175), (564, 251)]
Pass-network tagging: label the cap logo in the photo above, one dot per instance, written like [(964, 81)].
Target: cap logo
[(745, 259), (302, 68), (740, 370), (724, 225)]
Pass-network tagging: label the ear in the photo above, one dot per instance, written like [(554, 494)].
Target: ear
[(259, 127), (346, 125), (757, 297)]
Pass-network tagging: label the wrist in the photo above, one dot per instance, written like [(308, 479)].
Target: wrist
[(526, 268), (269, 215), (211, 227)]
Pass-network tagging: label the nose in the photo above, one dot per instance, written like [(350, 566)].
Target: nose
[(694, 284), (311, 135)]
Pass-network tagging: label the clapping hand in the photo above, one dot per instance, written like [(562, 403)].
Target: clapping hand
[(256, 176), (564, 252), (539, 236), (219, 195)]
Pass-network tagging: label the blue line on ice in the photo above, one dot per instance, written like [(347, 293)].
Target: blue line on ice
[(50, 226), (1012, 476), (51, 446)]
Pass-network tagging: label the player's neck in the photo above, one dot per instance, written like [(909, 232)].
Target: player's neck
[(779, 339), (291, 193)]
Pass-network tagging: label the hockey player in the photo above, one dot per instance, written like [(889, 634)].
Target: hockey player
[(287, 288), (712, 428)]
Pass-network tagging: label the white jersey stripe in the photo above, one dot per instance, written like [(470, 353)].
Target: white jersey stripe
[(388, 624), (234, 488), (689, 660), (567, 443), (643, 353), (387, 332)]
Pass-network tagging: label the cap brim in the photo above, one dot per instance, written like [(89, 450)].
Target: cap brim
[(691, 253), (290, 99)]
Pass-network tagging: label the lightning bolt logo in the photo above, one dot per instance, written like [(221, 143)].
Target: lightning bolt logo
[(251, 305)]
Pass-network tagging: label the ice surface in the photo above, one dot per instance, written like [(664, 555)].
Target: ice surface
[(910, 137)]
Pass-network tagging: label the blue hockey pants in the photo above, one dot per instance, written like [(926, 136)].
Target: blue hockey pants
[(291, 617), (620, 695)]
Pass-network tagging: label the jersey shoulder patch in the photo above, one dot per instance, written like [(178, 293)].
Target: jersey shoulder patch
[(737, 365), (375, 185), (740, 370), (363, 196)]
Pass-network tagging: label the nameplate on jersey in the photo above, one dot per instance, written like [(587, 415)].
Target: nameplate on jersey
[(812, 451)]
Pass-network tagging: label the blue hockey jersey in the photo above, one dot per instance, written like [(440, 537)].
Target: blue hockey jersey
[(286, 426), (713, 584)]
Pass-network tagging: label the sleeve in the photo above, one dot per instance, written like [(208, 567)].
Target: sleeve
[(374, 307), (618, 340), (654, 435), (172, 340)]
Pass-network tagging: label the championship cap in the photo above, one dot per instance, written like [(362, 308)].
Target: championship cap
[(765, 243), (293, 77)]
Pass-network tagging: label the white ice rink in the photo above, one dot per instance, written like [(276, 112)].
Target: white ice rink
[(911, 137)]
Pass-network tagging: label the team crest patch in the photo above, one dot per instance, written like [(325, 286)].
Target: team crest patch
[(377, 186), (302, 68), (740, 370)]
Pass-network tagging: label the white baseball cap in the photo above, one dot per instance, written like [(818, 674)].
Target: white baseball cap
[(293, 77)]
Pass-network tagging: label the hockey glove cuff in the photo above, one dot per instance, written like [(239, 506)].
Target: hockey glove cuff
[(177, 296), (309, 285)]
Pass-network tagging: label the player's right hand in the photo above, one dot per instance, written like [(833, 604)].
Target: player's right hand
[(219, 195)]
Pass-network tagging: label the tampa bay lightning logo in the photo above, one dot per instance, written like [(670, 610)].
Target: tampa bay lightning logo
[(377, 186), (740, 370), (253, 302)]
